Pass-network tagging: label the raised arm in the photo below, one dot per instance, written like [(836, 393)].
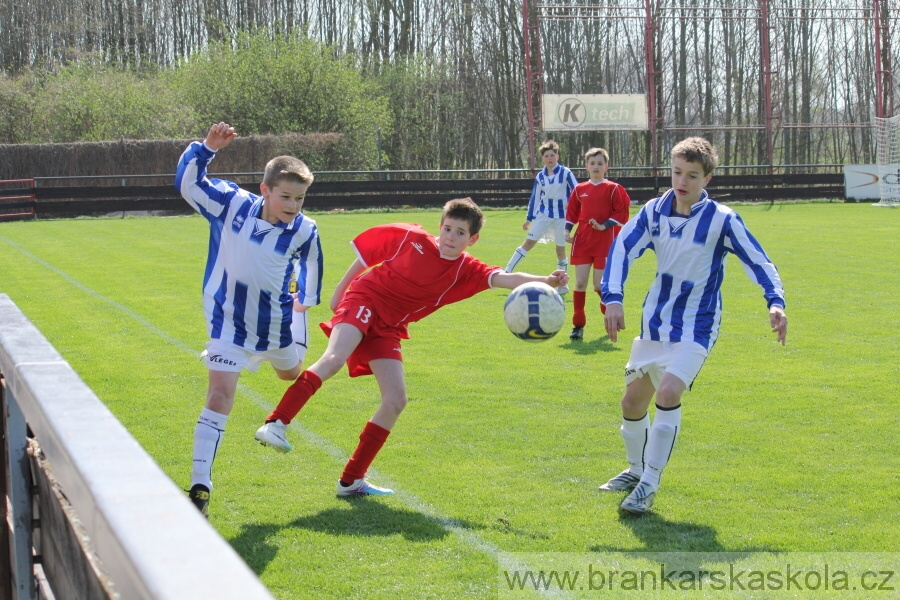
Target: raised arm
[(209, 197), (220, 135)]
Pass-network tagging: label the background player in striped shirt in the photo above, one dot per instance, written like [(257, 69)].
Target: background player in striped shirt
[(691, 236), (597, 209), (263, 270), (547, 208), (401, 275)]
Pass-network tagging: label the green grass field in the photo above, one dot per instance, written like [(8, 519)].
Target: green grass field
[(503, 444)]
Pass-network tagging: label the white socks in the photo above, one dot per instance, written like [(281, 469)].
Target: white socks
[(517, 257), (634, 433), (207, 437), (660, 442), (520, 253)]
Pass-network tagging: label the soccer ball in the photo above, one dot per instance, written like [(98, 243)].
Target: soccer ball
[(534, 312)]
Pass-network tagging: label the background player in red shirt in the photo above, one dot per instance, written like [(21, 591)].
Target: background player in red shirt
[(401, 275), (597, 209)]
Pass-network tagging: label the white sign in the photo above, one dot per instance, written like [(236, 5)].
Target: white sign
[(862, 182), (594, 112)]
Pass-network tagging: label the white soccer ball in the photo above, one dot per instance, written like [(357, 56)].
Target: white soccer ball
[(534, 312)]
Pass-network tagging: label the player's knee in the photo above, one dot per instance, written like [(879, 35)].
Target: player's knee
[(328, 365), (669, 394), (219, 400), (291, 374), (394, 404), (633, 407)]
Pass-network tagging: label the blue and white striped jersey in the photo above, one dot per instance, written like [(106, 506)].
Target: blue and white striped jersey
[(550, 193), (252, 266), (684, 302)]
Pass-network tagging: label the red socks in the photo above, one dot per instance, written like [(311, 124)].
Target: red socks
[(371, 440), (295, 397), (602, 306), (579, 318)]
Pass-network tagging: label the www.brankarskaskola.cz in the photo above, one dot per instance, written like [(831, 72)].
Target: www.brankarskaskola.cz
[(734, 578)]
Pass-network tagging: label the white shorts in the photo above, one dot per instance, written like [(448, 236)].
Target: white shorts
[(547, 228), (225, 356), (682, 359)]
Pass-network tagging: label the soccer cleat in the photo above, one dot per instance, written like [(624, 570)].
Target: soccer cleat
[(623, 482), (361, 487), (577, 333), (273, 435), (563, 289), (639, 500), (199, 495)]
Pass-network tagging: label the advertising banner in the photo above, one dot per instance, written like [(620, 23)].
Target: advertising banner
[(594, 112)]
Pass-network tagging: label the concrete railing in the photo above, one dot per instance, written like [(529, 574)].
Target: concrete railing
[(150, 542)]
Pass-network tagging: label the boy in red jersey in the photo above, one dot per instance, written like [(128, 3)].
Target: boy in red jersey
[(401, 275), (599, 207)]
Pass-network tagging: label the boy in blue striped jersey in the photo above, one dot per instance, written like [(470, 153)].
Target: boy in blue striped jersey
[(691, 235), (263, 271), (547, 208)]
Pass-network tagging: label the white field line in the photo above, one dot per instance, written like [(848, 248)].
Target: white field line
[(413, 502)]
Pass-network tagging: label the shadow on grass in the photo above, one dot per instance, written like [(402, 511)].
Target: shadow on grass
[(679, 545), (585, 347), (361, 517)]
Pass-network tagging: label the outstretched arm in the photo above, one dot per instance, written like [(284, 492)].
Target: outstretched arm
[(510, 281)]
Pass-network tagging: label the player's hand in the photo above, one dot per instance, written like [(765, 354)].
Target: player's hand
[(569, 238), (778, 321), (558, 278), (219, 136), (526, 225), (614, 320)]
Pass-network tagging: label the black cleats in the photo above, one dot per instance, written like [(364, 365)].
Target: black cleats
[(199, 495)]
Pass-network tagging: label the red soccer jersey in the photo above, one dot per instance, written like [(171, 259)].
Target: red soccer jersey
[(600, 201), (410, 280)]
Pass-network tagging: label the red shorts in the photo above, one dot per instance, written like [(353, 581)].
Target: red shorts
[(380, 340), (599, 262)]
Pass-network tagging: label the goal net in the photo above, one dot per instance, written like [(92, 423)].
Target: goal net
[(887, 150)]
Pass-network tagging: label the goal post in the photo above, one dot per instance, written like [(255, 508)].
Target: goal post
[(887, 152)]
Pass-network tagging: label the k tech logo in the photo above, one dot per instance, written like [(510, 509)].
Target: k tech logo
[(572, 112), (418, 247)]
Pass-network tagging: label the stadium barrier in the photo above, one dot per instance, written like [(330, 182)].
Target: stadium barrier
[(87, 514), (58, 197)]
